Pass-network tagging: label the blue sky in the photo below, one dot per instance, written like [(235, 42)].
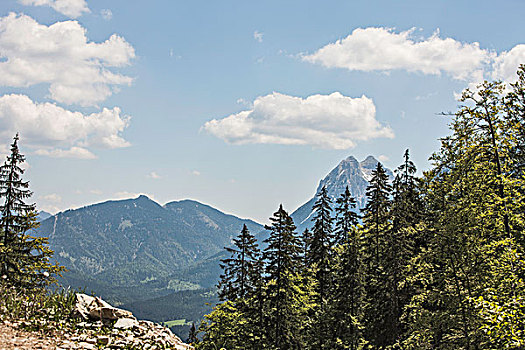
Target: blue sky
[(238, 104)]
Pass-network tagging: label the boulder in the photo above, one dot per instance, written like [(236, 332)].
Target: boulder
[(94, 308)]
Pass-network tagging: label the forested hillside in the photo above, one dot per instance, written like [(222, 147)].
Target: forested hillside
[(437, 262)]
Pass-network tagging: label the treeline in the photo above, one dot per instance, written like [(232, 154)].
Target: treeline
[(430, 263)]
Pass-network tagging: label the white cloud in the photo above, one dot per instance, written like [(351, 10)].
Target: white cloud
[(95, 191), (153, 175), (73, 152), (195, 173), (70, 8), (258, 36), (56, 132), (507, 63), (129, 195), (329, 121), (52, 197), (77, 71), (125, 195), (381, 49), (383, 158), (106, 14)]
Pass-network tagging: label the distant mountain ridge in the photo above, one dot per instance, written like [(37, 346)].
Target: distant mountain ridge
[(137, 242), (349, 172)]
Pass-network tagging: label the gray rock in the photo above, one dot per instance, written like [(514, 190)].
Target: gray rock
[(125, 323)]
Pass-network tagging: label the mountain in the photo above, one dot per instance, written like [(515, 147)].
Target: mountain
[(136, 249), (349, 172), (42, 215)]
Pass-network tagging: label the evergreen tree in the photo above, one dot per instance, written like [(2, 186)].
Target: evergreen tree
[(346, 217), (282, 262), (377, 320), (238, 278), (24, 259), (192, 336), (321, 243), (347, 293), (306, 245), (376, 212), (321, 265)]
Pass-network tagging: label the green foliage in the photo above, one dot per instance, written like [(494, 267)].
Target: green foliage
[(38, 308), (24, 259), (438, 262)]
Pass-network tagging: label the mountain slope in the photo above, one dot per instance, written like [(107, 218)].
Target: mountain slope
[(136, 243), (349, 172)]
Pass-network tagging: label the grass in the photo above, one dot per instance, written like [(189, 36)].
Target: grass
[(181, 322), (37, 309)]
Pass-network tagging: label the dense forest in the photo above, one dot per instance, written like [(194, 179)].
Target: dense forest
[(432, 262)]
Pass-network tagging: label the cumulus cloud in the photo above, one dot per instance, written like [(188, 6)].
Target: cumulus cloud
[(381, 49), (383, 158), (153, 175), (73, 152), (258, 36), (106, 14), (56, 132), (329, 121), (78, 71), (70, 8), (195, 173), (52, 197), (507, 63)]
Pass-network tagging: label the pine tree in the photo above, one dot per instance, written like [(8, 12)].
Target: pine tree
[(320, 262), (282, 262), (237, 280), (347, 293), (346, 217), (377, 212), (377, 318), (321, 243), (24, 259), (192, 336)]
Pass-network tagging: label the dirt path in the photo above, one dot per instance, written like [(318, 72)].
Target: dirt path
[(12, 338)]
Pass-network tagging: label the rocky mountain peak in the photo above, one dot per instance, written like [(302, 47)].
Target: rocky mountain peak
[(349, 172)]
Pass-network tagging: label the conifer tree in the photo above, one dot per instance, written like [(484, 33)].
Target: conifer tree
[(377, 212), (238, 278), (321, 243), (346, 217), (192, 336), (24, 259), (321, 264), (377, 320), (347, 293), (306, 247), (282, 262)]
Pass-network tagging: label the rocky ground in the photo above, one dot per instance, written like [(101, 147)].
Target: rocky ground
[(13, 338), (99, 326)]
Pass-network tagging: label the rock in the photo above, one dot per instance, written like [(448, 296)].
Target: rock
[(88, 307), (125, 323)]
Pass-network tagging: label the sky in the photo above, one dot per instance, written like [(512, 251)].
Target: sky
[(241, 105)]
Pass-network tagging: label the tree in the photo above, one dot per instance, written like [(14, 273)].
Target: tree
[(24, 259), (192, 336), (237, 281), (346, 217), (345, 304), (282, 263), (474, 197), (320, 261), (377, 317)]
